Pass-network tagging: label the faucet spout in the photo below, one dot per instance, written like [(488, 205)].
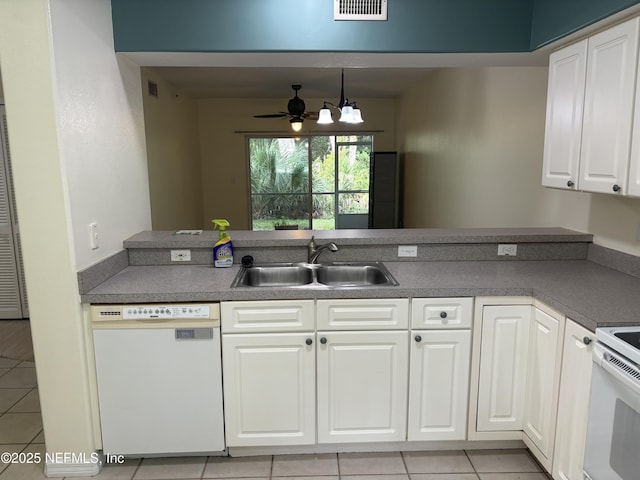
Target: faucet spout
[(314, 250)]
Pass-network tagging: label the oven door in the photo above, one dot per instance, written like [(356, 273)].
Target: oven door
[(613, 433)]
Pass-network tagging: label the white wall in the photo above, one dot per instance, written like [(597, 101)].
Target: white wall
[(173, 151), (75, 127), (101, 128), (224, 151), (473, 141)]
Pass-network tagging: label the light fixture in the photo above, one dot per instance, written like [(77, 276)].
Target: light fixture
[(324, 116), (349, 112), (296, 124)]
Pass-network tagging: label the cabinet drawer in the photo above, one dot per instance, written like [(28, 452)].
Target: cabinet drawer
[(441, 313), (269, 316), (363, 314)]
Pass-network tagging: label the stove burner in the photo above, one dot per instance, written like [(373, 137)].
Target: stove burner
[(632, 338)]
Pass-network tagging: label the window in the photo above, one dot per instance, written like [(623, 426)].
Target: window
[(318, 182)]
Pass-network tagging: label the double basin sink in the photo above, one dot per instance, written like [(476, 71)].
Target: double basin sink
[(307, 275)]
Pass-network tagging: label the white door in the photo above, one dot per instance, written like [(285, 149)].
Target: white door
[(563, 130), (362, 386), (503, 367), (573, 402), (269, 389), (439, 384), (543, 377), (608, 109)]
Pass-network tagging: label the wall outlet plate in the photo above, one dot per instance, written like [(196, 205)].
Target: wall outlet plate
[(407, 250), (180, 255), (507, 249)]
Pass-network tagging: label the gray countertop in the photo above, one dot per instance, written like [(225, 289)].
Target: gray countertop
[(589, 293), (287, 238)]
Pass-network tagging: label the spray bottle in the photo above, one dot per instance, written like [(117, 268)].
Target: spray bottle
[(223, 249)]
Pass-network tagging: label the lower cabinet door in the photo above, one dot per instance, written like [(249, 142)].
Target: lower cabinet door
[(439, 384), (503, 367), (573, 403), (362, 386), (541, 391), (269, 389)]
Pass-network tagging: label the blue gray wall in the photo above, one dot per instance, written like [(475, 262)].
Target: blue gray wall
[(307, 25)]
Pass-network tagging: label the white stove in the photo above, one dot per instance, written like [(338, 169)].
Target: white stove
[(624, 340), (613, 432)]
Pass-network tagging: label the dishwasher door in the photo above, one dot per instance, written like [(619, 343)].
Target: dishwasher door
[(160, 390)]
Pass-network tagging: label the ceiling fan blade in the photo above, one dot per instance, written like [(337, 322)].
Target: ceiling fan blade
[(310, 115), (272, 115)]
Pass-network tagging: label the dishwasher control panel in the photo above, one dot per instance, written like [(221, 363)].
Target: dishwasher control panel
[(141, 312), (168, 311)]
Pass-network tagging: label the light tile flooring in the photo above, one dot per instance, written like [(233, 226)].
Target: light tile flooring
[(21, 431)]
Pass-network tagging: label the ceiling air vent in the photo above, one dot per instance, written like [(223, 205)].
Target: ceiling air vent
[(360, 9)]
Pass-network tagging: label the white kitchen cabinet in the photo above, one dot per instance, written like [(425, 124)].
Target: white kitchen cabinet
[(441, 313), (439, 384), (363, 314), (608, 108), (563, 129), (362, 386), (268, 359), (503, 368), (269, 389), (573, 403), (542, 383)]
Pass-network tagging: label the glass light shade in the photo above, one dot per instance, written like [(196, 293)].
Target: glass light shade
[(356, 116), (296, 124), (347, 114), (324, 117)]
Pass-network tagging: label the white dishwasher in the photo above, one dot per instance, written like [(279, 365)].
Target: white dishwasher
[(159, 378)]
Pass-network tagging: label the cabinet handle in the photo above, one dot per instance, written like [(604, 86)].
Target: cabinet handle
[(587, 340), (570, 184), (443, 314), (323, 340), (616, 188), (308, 341), (418, 338)]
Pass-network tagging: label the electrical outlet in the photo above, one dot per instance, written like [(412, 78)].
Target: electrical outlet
[(180, 255), (407, 250), (508, 249), (93, 235)]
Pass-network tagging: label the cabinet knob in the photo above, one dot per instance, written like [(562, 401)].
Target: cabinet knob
[(587, 340), (616, 188), (323, 340), (570, 184), (417, 338), (443, 314), (308, 341)]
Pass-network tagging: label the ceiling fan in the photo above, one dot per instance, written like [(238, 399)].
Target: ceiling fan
[(295, 111)]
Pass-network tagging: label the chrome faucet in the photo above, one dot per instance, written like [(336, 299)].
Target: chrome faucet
[(314, 250)]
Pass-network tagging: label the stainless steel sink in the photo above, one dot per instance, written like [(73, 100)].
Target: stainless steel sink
[(307, 275), (354, 275), (274, 275)]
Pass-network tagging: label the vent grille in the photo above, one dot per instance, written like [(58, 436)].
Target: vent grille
[(630, 370), (360, 10)]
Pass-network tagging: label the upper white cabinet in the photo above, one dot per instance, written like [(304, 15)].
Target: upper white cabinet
[(573, 403), (608, 108), (590, 110), (563, 129)]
